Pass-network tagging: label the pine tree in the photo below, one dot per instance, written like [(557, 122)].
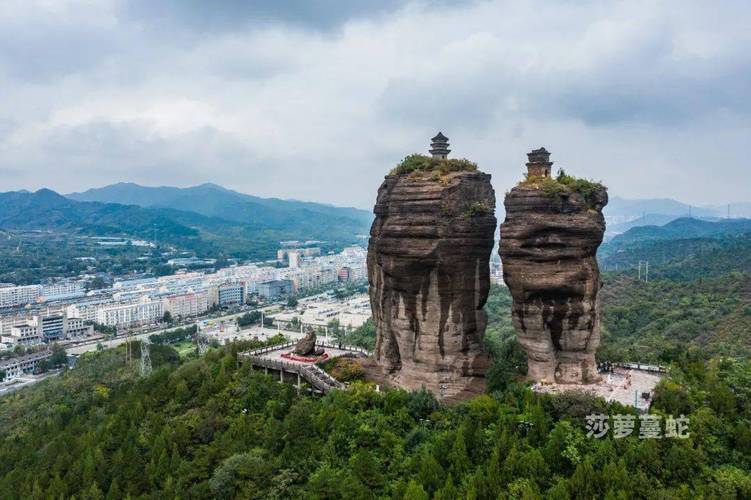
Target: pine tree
[(415, 491)]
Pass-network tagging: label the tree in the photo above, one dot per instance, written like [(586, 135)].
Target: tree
[(167, 318), (291, 302), (415, 491)]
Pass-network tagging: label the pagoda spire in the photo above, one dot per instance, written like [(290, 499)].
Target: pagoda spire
[(439, 146)]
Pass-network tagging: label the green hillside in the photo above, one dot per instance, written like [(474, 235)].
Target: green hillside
[(681, 259), (208, 429), (306, 218), (205, 235)]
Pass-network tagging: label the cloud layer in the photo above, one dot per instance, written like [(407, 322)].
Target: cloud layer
[(318, 99)]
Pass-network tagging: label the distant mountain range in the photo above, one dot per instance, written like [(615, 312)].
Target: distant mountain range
[(684, 228), (207, 219), (622, 214), (212, 200)]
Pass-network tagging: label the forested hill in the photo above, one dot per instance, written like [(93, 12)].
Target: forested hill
[(206, 428), (215, 201), (206, 235), (683, 228)]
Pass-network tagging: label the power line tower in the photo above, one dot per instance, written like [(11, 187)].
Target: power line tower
[(145, 358), (202, 343), (646, 270), (119, 331)]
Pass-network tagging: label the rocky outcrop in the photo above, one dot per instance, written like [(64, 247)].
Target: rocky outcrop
[(428, 268), (548, 245), (306, 346)]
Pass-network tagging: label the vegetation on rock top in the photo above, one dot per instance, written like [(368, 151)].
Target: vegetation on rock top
[(422, 163), (564, 184)]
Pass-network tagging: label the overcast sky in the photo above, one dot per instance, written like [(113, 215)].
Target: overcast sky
[(318, 99)]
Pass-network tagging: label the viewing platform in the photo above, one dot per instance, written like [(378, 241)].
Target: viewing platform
[(289, 370)]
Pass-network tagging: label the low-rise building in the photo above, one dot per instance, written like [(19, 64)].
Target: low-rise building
[(16, 367), (25, 334)]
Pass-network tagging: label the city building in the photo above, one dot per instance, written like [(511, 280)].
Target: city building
[(16, 367), (274, 288), (345, 274), (187, 305), (229, 294), (24, 334), (51, 328), (86, 311), (62, 290), (75, 327), (294, 259), (13, 296), (146, 311)]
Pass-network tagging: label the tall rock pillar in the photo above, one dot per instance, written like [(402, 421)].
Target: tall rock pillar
[(428, 269), (548, 251)]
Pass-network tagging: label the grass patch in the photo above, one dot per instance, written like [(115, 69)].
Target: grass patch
[(417, 163), (184, 347)]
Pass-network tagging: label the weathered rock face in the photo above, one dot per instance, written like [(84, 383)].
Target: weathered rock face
[(428, 268), (548, 246)]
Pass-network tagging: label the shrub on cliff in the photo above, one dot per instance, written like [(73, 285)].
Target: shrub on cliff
[(565, 184), (422, 163)]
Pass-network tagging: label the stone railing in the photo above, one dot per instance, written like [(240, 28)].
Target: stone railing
[(312, 374), (643, 367)]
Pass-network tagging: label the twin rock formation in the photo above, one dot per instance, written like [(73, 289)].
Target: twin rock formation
[(428, 269)]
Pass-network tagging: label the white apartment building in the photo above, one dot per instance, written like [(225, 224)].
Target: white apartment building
[(26, 334), (13, 296), (145, 311), (186, 305), (62, 290), (85, 311), (8, 322)]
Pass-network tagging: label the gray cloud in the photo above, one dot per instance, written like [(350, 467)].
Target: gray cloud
[(318, 99), (240, 14)]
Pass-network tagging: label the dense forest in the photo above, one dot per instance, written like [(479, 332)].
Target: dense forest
[(208, 428)]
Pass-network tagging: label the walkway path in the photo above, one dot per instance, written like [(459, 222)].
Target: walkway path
[(270, 358)]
